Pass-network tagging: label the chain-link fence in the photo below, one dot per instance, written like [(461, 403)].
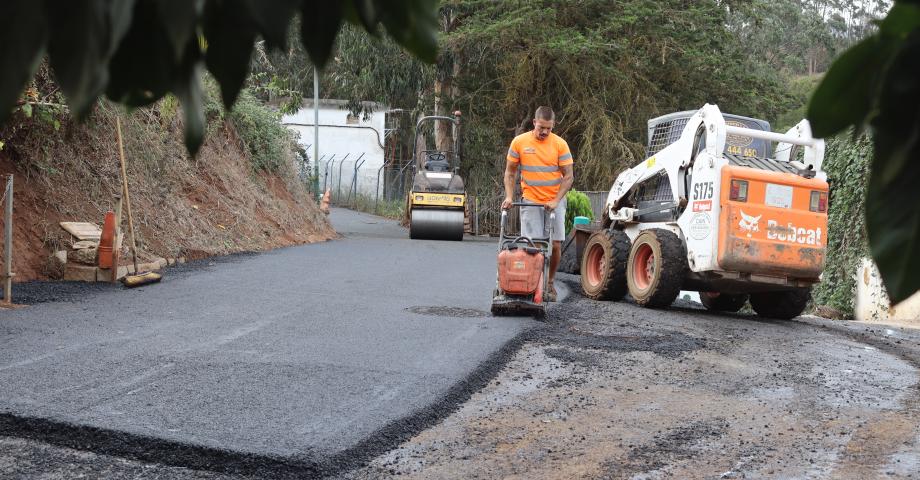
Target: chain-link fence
[(393, 183)]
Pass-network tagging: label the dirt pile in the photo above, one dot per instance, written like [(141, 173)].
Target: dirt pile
[(215, 204)]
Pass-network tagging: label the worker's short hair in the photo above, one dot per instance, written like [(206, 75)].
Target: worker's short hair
[(544, 113)]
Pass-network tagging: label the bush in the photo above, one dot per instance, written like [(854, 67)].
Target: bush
[(578, 205), (846, 161), (268, 141)]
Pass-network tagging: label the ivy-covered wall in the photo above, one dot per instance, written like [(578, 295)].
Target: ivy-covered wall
[(846, 161)]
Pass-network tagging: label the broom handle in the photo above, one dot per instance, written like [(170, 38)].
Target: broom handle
[(124, 183)]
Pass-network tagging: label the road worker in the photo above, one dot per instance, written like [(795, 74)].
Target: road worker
[(546, 167)]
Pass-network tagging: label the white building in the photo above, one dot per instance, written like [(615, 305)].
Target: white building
[(346, 143)]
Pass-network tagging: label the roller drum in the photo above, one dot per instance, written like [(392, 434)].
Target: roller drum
[(435, 224)]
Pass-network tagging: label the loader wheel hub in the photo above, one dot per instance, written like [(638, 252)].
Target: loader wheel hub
[(644, 267), (597, 264)]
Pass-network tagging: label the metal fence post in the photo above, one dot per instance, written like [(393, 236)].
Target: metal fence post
[(377, 189), (354, 181), (338, 186), (326, 172), (476, 215), (303, 169), (8, 243)]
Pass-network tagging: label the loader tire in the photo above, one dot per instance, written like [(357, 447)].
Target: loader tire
[(781, 305), (603, 265), (568, 263), (656, 268), (723, 302)]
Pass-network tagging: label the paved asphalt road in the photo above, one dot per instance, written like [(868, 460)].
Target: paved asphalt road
[(304, 356)]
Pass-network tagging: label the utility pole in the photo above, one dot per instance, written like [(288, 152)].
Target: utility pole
[(316, 135)]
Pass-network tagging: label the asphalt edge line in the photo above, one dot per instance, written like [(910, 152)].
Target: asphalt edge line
[(154, 450), (390, 436), (401, 430)]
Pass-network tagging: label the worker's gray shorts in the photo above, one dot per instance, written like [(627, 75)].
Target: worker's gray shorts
[(533, 221)]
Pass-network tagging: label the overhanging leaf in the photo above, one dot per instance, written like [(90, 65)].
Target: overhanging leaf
[(179, 19), (230, 34), (190, 94), (23, 33), (84, 34), (144, 66), (272, 19), (893, 198), (363, 12), (120, 16), (413, 24), (845, 95), (902, 19), (319, 25)]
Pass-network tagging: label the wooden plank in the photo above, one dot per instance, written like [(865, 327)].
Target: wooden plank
[(82, 230)]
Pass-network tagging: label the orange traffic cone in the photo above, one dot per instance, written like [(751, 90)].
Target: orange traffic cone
[(324, 204), (107, 241)]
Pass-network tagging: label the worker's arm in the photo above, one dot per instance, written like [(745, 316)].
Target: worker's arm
[(511, 169), (568, 179)]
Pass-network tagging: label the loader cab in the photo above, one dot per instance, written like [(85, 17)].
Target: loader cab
[(666, 129), (656, 192)]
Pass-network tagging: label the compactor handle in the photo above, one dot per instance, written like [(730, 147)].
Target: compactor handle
[(524, 204)]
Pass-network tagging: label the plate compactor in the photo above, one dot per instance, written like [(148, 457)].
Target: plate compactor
[(437, 201), (523, 270)]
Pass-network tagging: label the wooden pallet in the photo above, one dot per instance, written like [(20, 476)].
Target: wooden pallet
[(82, 230)]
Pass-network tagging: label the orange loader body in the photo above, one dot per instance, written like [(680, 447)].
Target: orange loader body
[(756, 237)]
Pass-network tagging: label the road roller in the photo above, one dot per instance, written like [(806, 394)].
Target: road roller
[(437, 201)]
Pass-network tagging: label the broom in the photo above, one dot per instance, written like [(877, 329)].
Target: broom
[(139, 278)]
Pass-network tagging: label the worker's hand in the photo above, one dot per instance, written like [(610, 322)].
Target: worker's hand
[(506, 204), (551, 205)]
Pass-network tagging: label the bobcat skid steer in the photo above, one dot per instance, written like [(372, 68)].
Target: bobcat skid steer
[(715, 208)]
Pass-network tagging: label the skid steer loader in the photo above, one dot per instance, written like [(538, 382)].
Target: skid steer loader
[(715, 208)]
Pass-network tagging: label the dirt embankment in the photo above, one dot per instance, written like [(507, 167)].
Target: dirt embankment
[(210, 205)]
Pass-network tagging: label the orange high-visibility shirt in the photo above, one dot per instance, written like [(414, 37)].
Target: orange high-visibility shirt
[(540, 164)]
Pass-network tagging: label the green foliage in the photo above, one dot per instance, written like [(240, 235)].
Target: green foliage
[(395, 209), (846, 162), (801, 37), (363, 68), (605, 67), (138, 51), (269, 143), (577, 205), (877, 82), (800, 89)]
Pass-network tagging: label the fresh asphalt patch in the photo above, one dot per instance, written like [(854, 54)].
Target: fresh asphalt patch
[(301, 361)]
